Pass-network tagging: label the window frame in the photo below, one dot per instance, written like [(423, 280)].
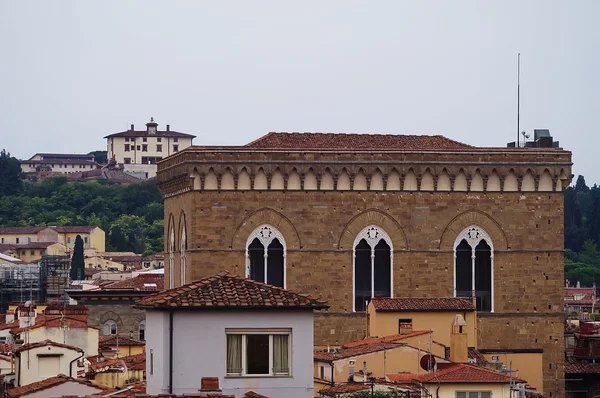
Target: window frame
[(372, 234), (110, 323), (244, 358), (266, 234), (473, 235), (468, 393)]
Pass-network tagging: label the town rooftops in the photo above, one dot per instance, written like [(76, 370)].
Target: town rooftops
[(132, 132), (151, 283), (113, 339), (45, 343), (34, 230), (225, 291), (579, 295), (52, 382), (285, 140), (422, 304), (455, 373)]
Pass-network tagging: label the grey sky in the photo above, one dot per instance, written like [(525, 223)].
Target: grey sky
[(231, 71)]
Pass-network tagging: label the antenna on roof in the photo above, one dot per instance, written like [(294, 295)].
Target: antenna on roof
[(518, 96)]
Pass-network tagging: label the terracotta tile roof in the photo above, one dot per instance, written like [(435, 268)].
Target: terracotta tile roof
[(586, 293), (12, 325), (224, 291), (422, 304), (73, 229), (45, 343), (150, 282), (355, 349), (573, 366), (33, 245), (72, 322), (144, 133), (52, 382), (20, 230), (252, 394), (113, 339), (391, 338), (466, 373), (132, 362), (405, 377), (354, 141), (477, 356)]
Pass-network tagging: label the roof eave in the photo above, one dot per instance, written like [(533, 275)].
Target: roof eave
[(226, 308)]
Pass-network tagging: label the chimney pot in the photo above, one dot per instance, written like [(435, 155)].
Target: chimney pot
[(168, 127), (132, 128), (578, 284), (209, 384)]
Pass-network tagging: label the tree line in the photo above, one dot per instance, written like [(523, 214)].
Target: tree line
[(132, 216), (582, 233)]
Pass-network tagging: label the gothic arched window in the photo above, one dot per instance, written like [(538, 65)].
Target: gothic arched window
[(372, 266), (474, 268), (265, 256), (142, 330), (109, 327), (172, 258), (183, 261)]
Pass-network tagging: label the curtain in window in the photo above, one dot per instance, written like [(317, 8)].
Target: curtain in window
[(280, 354), (234, 353)]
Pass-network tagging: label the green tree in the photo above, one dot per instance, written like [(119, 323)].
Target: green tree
[(99, 156), (10, 174), (78, 261)]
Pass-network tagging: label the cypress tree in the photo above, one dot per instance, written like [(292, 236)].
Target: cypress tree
[(78, 261)]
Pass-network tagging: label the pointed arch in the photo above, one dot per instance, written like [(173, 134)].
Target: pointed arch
[(410, 181), (327, 181), (493, 182), (182, 248), (260, 180), (373, 217), (244, 180), (170, 242), (197, 180), (360, 181), (460, 182), (277, 180), (393, 181), (427, 181), (473, 218), (227, 180), (293, 181), (343, 182), (443, 183), (545, 184), (511, 184), (270, 217), (265, 256), (528, 184), (210, 180), (376, 181), (477, 182), (310, 181)]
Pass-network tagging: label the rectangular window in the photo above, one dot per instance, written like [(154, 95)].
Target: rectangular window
[(2, 240), (158, 139), (126, 139), (159, 148), (126, 147), (17, 240), (145, 139), (85, 239), (138, 147), (144, 148), (473, 394), (405, 326), (68, 240), (175, 148), (127, 160), (175, 139), (32, 252), (258, 353), (72, 166)]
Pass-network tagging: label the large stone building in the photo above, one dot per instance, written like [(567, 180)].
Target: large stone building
[(355, 216), (138, 151)]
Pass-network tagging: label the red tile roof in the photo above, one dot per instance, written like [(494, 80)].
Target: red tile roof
[(572, 366), (73, 229), (150, 282), (458, 373), (224, 291), (113, 339), (45, 343), (52, 382), (252, 394), (422, 304), (354, 141), (391, 338), (20, 230), (587, 295), (132, 362), (7, 348)]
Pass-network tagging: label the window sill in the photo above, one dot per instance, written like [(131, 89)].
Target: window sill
[(259, 376)]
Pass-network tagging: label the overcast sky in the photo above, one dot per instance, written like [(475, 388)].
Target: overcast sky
[(231, 71)]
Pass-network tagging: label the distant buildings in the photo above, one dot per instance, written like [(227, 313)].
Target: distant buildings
[(139, 150), (93, 237), (58, 163)]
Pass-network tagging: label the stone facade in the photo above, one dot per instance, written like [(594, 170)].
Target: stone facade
[(320, 200), (126, 317)]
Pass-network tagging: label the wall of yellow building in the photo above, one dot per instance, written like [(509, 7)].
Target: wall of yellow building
[(447, 390), (529, 366), (396, 360), (127, 350), (98, 239), (23, 238), (112, 379), (56, 249), (96, 262), (386, 324)]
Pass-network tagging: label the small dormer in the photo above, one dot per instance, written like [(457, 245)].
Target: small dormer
[(151, 126)]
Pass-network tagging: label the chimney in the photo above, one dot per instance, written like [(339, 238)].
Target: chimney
[(168, 127), (578, 284), (351, 370), (458, 340), (364, 371), (209, 384), (567, 283), (132, 128)]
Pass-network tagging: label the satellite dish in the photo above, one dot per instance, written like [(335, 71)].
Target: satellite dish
[(28, 303), (427, 362)]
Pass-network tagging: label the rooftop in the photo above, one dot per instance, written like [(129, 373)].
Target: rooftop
[(132, 132), (113, 339), (225, 291), (283, 140), (45, 343), (422, 304), (52, 382), (153, 282), (456, 373)]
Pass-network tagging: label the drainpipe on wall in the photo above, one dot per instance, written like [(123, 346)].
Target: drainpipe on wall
[(170, 352), (71, 364)]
